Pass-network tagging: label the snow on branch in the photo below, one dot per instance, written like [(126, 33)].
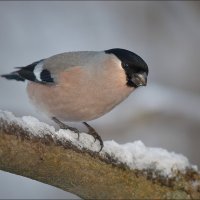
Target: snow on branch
[(139, 163), (134, 155)]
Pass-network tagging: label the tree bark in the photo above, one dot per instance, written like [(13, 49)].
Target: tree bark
[(83, 172)]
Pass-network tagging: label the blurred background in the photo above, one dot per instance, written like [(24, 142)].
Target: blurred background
[(166, 35)]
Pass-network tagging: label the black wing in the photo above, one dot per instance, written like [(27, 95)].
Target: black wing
[(33, 72)]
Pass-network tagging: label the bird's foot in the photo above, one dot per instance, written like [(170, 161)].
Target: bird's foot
[(92, 131), (65, 126)]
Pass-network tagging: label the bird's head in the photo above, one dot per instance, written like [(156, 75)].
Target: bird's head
[(135, 68)]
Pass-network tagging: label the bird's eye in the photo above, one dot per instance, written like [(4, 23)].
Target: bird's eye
[(126, 65)]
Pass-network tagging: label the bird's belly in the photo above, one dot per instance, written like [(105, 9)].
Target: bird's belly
[(77, 99), (69, 104)]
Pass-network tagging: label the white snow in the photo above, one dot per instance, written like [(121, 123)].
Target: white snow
[(135, 155)]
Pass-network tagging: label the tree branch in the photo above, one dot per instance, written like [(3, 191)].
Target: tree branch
[(48, 159)]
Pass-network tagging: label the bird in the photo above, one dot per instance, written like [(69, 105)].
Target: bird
[(80, 86)]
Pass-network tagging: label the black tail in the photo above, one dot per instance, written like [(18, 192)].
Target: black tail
[(13, 76)]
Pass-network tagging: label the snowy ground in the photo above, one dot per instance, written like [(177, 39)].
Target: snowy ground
[(135, 155)]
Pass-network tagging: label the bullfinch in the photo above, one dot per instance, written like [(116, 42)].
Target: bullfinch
[(82, 86)]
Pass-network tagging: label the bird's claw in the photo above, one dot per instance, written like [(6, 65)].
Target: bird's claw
[(101, 143), (92, 132), (75, 130), (66, 127)]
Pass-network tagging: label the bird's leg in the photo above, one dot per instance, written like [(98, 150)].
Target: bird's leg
[(91, 131), (65, 126)]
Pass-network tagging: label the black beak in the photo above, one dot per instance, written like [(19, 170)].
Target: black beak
[(140, 79)]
